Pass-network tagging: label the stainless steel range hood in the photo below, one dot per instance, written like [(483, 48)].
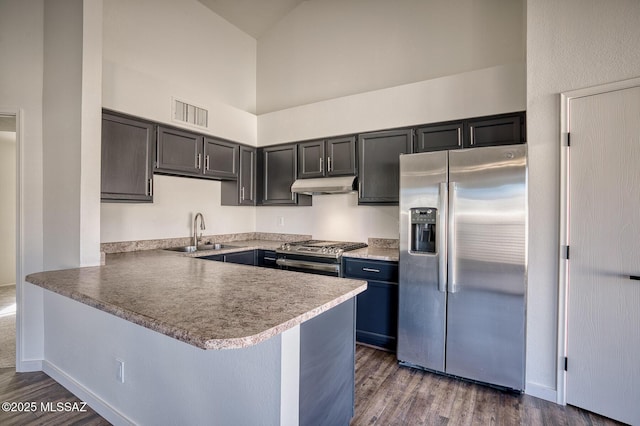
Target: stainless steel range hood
[(326, 185)]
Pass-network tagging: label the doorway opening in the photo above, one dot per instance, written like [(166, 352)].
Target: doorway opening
[(8, 153)]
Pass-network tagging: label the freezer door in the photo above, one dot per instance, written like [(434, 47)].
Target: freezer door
[(487, 264), (422, 273)]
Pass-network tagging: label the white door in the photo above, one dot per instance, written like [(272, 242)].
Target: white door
[(603, 328)]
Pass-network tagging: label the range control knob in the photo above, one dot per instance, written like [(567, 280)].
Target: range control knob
[(286, 246), (324, 249)]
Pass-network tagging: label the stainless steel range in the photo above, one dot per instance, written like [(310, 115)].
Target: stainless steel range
[(314, 256)]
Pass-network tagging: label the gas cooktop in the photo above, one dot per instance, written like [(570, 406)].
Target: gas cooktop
[(319, 248)]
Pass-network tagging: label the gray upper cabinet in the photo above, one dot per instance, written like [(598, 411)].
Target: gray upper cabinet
[(179, 152), (184, 153), (330, 157), (341, 156), (438, 137), (311, 159), (277, 170), (379, 165), (504, 129), (128, 150), (220, 158), (242, 192)]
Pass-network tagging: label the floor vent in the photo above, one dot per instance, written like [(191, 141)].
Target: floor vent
[(190, 114)]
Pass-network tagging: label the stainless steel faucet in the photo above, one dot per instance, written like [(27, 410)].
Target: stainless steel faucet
[(195, 228)]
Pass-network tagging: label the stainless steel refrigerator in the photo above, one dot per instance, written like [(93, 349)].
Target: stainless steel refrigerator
[(463, 260)]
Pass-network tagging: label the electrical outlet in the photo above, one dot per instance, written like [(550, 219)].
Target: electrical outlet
[(280, 221), (120, 372)]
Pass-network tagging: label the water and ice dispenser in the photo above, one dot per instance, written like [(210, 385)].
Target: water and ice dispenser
[(423, 229)]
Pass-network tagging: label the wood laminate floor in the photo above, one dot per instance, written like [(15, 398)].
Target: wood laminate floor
[(386, 394)]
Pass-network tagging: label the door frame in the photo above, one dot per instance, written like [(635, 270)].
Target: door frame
[(563, 270), (19, 191)]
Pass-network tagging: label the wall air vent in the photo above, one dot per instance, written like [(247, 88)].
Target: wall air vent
[(190, 114)]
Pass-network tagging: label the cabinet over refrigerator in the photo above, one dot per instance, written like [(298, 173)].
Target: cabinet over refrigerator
[(463, 232)]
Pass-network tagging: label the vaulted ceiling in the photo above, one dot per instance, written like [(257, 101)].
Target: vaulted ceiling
[(254, 17)]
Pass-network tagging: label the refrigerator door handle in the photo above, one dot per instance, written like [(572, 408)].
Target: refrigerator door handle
[(442, 238), (451, 252)]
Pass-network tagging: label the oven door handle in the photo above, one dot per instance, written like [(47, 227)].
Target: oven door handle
[(316, 266)]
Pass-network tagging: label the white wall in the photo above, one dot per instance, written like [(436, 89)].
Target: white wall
[(176, 200), (333, 48), (156, 50), (7, 207), (332, 217), (21, 50), (71, 133), (570, 44)]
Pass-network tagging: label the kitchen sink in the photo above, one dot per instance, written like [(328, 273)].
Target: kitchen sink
[(191, 249)]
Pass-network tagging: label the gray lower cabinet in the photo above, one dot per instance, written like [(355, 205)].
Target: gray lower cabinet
[(330, 157), (377, 306), (247, 257), (327, 367), (379, 165), (242, 192), (128, 149), (266, 259), (184, 153), (277, 170)]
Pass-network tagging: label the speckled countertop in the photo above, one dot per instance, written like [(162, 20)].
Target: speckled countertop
[(211, 305), (374, 253)]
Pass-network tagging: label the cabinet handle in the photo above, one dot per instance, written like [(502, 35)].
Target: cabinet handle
[(321, 165), (634, 277), (242, 194), (269, 258), (371, 270), (198, 160), (328, 164), (150, 187), (459, 136), (206, 162), (471, 134)]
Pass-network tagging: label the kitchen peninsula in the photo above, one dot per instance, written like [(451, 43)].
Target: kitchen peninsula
[(154, 337)]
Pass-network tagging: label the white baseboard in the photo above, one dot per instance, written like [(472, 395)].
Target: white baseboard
[(95, 402), (542, 392), (29, 366)]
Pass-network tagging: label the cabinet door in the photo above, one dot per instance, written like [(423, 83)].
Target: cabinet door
[(495, 130), (127, 159), (278, 172), (179, 152), (247, 177), (439, 137), (377, 315), (341, 156), (243, 257), (377, 306), (379, 165), (220, 158), (311, 159), (266, 259)]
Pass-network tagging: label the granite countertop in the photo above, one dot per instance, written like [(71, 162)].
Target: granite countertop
[(211, 305), (375, 253)]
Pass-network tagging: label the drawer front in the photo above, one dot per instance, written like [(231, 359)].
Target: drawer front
[(371, 270), (267, 259)]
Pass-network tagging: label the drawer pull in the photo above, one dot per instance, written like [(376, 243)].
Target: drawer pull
[(371, 270), (269, 258)]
